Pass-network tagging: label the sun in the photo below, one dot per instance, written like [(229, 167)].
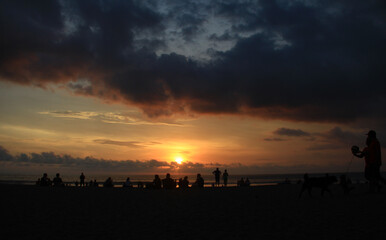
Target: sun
[(179, 160)]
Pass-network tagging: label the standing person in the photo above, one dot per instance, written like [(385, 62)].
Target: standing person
[(217, 174), (82, 177), (225, 177), (373, 160)]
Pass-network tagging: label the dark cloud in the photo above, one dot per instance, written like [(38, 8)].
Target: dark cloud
[(274, 139), (291, 132), (295, 60), (130, 144)]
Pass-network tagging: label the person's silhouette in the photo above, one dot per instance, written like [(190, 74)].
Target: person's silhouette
[(373, 161), (168, 182), (157, 183), (58, 181), (108, 183), (217, 174), (45, 181), (128, 183), (82, 178), (184, 182), (199, 181), (225, 177)]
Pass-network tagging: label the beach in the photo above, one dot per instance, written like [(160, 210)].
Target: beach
[(265, 212)]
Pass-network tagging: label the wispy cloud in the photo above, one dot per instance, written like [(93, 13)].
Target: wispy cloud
[(291, 132), (130, 144), (127, 118)]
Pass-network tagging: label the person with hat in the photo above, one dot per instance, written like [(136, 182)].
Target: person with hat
[(373, 160)]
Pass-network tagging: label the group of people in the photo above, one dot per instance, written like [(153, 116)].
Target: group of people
[(45, 181), (217, 175)]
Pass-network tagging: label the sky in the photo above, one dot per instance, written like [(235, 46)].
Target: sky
[(130, 86)]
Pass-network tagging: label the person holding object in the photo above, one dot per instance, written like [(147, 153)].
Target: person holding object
[(373, 160)]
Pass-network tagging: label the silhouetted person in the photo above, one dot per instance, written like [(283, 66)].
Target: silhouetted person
[(45, 181), (247, 183), (199, 181), (225, 177), (108, 183), (95, 184), (241, 183), (58, 181), (217, 174), (38, 182), (184, 183), (82, 177), (76, 183), (91, 183), (168, 182), (128, 183), (157, 183), (373, 160)]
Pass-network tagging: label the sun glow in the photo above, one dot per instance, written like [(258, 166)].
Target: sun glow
[(179, 160)]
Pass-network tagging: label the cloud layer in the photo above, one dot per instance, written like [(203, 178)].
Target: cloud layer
[(295, 60)]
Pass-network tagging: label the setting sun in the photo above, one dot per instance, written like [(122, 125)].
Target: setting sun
[(179, 160)]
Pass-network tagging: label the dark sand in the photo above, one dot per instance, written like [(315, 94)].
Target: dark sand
[(268, 212)]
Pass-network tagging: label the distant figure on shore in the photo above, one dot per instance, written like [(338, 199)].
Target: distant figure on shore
[(82, 177), (168, 182), (199, 182), (184, 182), (373, 160), (95, 184), (45, 181), (247, 183), (225, 177), (76, 183), (157, 183), (217, 174), (345, 184), (108, 183), (58, 181), (128, 183), (241, 183)]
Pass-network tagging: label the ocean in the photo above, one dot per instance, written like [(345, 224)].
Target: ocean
[(255, 179)]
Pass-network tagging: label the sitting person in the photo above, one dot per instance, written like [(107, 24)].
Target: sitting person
[(45, 181), (241, 183), (108, 183), (128, 183), (168, 182), (157, 183), (247, 183), (184, 183), (199, 181), (58, 181)]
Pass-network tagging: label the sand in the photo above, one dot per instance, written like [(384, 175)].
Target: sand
[(266, 212)]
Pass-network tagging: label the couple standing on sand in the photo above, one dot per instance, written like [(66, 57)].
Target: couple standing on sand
[(217, 174)]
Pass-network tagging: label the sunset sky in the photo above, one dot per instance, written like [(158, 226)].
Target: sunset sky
[(130, 86)]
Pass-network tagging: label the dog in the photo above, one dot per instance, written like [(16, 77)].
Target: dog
[(317, 182)]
